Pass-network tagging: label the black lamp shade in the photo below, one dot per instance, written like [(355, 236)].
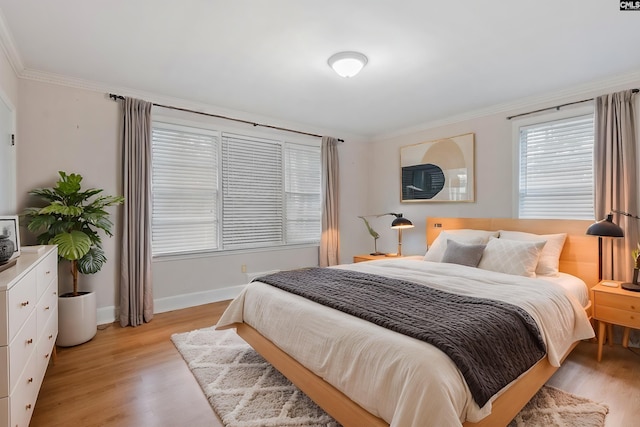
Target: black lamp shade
[(401, 222), (605, 228)]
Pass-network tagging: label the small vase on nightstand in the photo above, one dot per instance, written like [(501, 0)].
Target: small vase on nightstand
[(635, 276)]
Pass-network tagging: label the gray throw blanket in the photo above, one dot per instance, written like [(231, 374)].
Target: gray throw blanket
[(491, 342)]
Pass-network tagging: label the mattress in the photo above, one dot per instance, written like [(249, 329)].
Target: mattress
[(400, 379)]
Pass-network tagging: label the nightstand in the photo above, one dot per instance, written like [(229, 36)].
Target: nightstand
[(615, 306), (368, 257)]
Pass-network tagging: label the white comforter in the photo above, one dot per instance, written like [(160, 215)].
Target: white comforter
[(402, 380)]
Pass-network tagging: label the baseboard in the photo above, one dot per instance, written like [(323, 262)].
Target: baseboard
[(177, 302)]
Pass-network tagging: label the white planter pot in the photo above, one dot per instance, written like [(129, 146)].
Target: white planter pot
[(77, 319)]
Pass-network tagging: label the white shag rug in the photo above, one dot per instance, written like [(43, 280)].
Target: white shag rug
[(246, 391)]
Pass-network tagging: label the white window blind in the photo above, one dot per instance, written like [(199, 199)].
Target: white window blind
[(252, 192), (556, 169), (303, 195), (184, 189)]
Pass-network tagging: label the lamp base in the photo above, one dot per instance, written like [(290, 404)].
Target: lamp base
[(377, 253), (631, 287)]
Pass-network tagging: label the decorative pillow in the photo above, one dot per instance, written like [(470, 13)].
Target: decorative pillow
[(511, 256), (549, 261), (462, 253), (437, 248)]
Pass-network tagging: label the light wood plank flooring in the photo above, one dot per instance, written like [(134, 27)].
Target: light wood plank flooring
[(131, 377)]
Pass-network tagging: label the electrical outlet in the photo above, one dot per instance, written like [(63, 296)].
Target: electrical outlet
[(243, 268)]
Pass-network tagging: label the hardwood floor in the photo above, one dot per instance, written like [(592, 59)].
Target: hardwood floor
[(134, 377), (614, 381), (128, 377)]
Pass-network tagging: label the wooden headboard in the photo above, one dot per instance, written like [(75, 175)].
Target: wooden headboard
[(579, 256)]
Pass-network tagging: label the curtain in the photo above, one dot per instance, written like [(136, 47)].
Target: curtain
[(330, 237), (136, 296), (616, 187)]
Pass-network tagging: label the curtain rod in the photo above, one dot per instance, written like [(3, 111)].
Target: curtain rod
[(120, 97), (557, 107)]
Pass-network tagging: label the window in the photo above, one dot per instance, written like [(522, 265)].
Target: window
[(556, 168), (216, 191)]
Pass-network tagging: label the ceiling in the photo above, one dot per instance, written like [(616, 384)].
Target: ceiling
[(428, 60)]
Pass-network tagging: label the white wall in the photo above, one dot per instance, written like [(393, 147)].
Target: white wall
[(8, 102), (77, 130), (494, 165)]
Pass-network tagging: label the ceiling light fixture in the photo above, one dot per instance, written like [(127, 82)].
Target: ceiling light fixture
[(347, 64)]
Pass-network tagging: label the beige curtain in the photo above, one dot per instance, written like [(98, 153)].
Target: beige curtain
[(616, 180), (330, 237), (136, 296)]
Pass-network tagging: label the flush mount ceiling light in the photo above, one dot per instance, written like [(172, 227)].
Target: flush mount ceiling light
[(347, 64)]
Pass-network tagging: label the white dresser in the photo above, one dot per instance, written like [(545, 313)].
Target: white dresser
[(28, 331)]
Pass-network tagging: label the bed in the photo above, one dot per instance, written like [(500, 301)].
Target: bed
[(331, 356)]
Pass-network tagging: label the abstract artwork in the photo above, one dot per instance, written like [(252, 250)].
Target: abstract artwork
[(439, 171)]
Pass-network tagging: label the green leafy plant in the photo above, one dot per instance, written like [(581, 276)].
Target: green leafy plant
[(72, 220)]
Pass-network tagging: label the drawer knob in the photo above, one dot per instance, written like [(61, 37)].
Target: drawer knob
[(30, 380), (46, 356), (50, 336), (46, 308), (24, 304), (30, 341), (28, 406), (48, 272), (633, 307)]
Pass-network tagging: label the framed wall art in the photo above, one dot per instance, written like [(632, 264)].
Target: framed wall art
[(9, 238), (439, 171)]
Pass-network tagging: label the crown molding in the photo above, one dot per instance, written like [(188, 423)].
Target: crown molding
[(587, 90), (9, 46)]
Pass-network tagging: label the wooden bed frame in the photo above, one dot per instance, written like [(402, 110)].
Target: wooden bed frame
[(579, 258)]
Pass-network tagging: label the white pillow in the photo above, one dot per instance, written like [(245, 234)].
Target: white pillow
[(515, 257), (463, 235), (549, 261)]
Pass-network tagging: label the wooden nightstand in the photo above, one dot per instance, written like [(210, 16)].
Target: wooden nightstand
[(368, 257), (615, 306)]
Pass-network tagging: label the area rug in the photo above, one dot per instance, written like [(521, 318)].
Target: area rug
[(246, 391)]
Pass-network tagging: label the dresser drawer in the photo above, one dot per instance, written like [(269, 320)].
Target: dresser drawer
[(23, 398), (45, 345), (622, 302), (4, 372), (4, 411), (46, 305), (21, 302), (21, 349), (617, 316), (46, 271)]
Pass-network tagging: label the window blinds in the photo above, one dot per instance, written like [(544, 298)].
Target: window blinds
[(252, 213), (216, 191), (184, 190), (302, 190), (556, 169)]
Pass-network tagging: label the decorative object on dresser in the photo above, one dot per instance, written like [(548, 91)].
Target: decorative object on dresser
[(72, 220), (28, 331), (613, 305), (9, 239), (439, 171)]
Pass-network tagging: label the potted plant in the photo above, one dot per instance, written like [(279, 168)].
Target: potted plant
[(72, 219)]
